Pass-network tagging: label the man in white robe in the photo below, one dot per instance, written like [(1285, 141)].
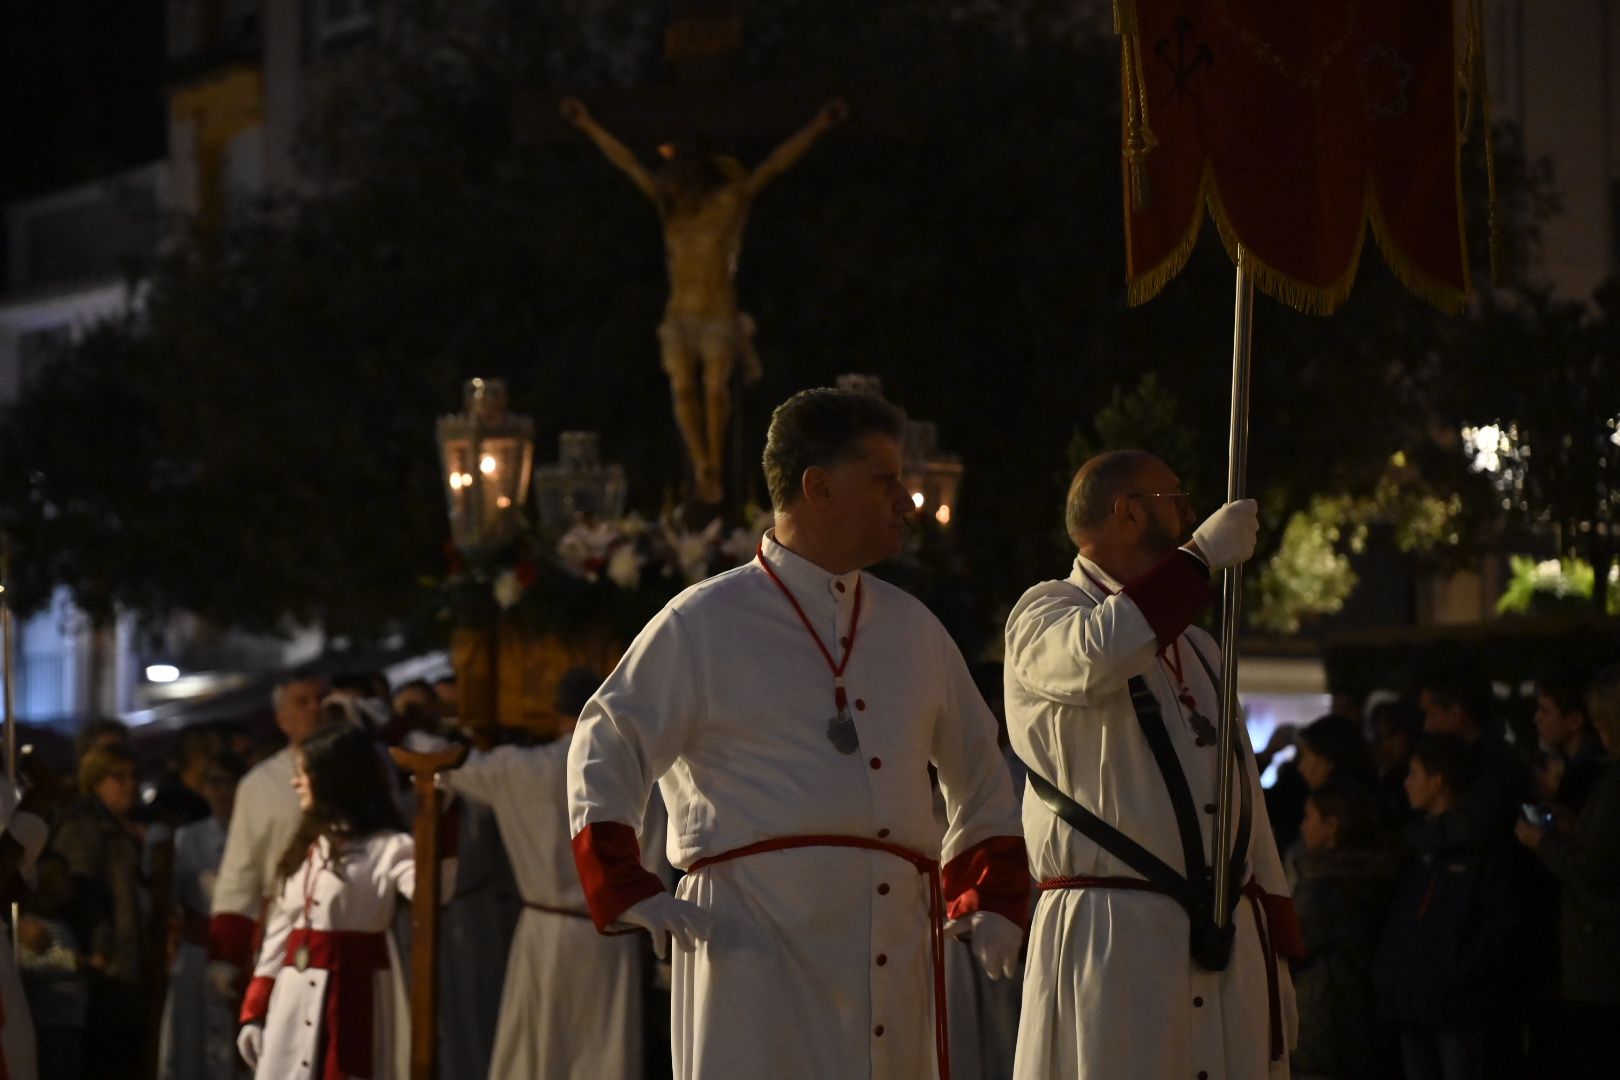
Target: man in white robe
[(1111, 988), (789, 711), (572, 1005), (263, 821)]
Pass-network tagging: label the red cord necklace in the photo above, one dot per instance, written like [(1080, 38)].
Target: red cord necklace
[(841, 728)]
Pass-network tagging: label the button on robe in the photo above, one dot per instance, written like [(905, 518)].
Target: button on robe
[(1110, 989), (724, 701)]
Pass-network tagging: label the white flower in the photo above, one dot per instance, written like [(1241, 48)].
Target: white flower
[(585, 542), (624, 567), (508, 590), (693, 551)]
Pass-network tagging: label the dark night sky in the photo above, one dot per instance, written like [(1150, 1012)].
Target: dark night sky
[(81, 91)]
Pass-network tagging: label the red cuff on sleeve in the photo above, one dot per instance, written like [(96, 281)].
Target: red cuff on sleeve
[(1171, 595), (991, 876), (256, 1005), (230, 938), (1283, 922), (608, 859)]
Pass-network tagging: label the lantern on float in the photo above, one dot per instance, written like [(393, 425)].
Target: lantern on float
[(486, 454)]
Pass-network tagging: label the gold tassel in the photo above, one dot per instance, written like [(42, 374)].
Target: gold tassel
[(1139, 138)]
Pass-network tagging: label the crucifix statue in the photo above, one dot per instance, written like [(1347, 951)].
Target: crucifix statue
[(703, 200)]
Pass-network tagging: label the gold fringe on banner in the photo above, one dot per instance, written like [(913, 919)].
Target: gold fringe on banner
[(1283, 287)]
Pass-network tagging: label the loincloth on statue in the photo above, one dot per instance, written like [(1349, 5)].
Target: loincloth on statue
[(703, 336)]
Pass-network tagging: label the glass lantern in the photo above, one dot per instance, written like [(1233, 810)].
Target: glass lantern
[(486, 454), (579, 484), (932, 476)]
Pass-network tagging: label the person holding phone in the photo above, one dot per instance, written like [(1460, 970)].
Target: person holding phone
[(1585, 858)]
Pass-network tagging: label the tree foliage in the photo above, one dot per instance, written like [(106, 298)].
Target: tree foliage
[(260, 443)]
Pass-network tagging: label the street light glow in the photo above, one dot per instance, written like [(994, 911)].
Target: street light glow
[(917, 499), (486, 464), (162, 673), (943, 514)]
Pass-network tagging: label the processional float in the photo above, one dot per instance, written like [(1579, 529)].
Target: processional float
[(1297, 125)]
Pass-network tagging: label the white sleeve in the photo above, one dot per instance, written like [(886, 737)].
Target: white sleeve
[(478, 777), (636, 725), (273, 950), (979, 802), (240, 889), (398, 865), (1070, 651)]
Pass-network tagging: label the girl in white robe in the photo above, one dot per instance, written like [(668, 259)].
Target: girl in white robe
[(327, 1000)]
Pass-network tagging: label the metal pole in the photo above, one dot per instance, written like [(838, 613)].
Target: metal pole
[(5, 694), (1237, 470)]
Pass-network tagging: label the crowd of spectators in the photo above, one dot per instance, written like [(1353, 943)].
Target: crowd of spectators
[(112, 935), (1458, 890)]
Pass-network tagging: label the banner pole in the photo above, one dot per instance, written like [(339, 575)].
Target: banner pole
[(1237, 470), (8, 703)]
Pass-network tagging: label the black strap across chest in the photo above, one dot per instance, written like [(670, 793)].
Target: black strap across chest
[(1194, 890)]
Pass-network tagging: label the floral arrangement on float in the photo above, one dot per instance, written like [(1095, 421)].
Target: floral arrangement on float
[(596, 575), (526, 613)]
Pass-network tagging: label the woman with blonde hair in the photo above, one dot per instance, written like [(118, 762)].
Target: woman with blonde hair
[(101, 849)]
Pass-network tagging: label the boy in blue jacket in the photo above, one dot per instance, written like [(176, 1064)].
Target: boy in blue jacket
[(1448, 943)]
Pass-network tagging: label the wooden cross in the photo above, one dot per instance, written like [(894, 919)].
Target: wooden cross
[(425, 901)]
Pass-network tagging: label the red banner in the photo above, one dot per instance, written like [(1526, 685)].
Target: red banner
[(1299, 124)]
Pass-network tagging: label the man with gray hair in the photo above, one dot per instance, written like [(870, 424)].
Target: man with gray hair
[(262, 825), (1110, 693), (789, 711)]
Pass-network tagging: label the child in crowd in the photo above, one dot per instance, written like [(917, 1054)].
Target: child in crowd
[(1344, 879), (199, 1028), (1447, 946), (327, 998), (55, 972)]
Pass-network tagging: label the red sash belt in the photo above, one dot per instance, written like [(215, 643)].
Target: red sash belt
[(1256, 897), (936, 910), (352, 958)]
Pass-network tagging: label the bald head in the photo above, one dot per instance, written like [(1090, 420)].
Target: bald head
[(1099, 482)]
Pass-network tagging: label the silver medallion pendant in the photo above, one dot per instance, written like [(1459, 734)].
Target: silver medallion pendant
[(301, 958), (1203, 726), (841, 733)]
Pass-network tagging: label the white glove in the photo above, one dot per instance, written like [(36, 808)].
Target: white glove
[(1227, 536), (250, 1044), (223, 978), (662, 914), (996, 941)]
